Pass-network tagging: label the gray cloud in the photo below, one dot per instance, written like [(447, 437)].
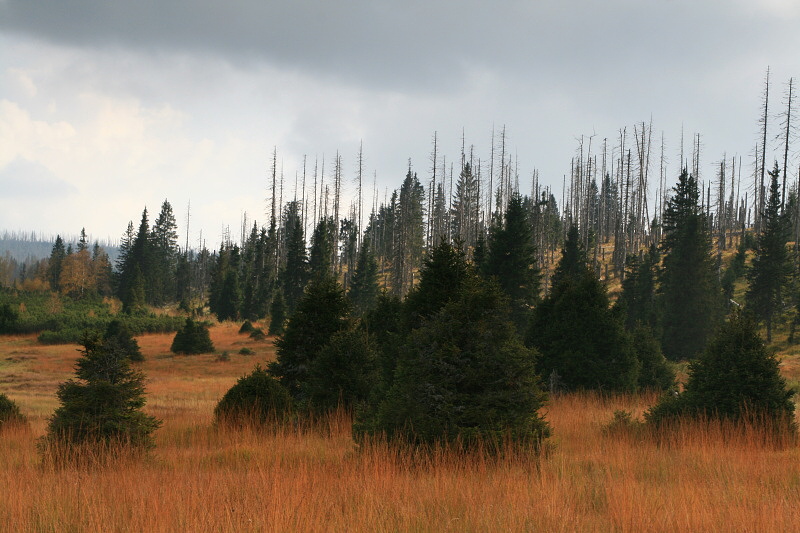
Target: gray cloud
[(417, 45)]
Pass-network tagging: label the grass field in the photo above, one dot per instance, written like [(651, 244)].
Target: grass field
[(198, 478)]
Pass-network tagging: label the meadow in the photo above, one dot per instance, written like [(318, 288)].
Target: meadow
[(702, 477)]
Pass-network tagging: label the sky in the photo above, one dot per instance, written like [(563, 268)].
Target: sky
[(108, 107)]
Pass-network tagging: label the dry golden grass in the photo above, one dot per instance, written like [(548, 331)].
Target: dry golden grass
[(198, 478)]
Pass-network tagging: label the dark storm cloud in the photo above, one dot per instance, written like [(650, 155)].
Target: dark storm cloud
[(407, 46)]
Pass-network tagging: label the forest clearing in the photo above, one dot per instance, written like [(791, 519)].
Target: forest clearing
[(703, 477)]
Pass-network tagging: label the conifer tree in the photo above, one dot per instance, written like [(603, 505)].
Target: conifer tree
[(735, 378), (690, 293), (465, 208), (363, 292), (464, 378), (277, 315), (322, 311), (294, 275), (638, 297), (770, 269), (164, 256), (103, 405), (583, 343), (343, 373), (55, 265), (408, 234), (322, 248), (444, 271), (192, 338), (511, 259)]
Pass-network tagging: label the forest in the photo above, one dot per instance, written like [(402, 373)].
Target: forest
[(456, 312)]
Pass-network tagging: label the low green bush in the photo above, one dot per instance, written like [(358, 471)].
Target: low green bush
[(193, 338), (255, 399)]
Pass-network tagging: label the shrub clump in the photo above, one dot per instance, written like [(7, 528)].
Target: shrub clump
[(247, 327), (734, 379), (10, 415), (255, 399), (193, 338), (257, 334)]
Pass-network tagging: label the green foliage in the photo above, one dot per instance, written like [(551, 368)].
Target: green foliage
[(734, 271), (247, 327), (56, 263), (735, 378), (690, 294), (246, 351), (225, 298), (464, 378), (321, 313), (8, 318), (655, 372), (255, 399), (323, 248), (769, 272), (579, 337), (133, 301), (384, 325), (638, 297), (512, 261), (193, 338), (295, 273), (257, 334), (277, 315), (10, 414), (343, 373), (117, 331), (364, 284), (64, 320), (103, 405), (408, 234), (441, 278)]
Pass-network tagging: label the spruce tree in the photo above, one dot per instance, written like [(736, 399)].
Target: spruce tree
[(444, 271), (583, 343), (408, 234), (103, 404), (164, 250), (770, 270), (343, 373), (363, 292), (322, 248), (690, 293), (193, 338), (55, 264), (294, 275), (322, 311), (118, 333), (735, 378), (512, 261), (464, 378), (277, 315), (638, 297)]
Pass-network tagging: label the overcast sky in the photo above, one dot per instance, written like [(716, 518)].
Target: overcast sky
[(110, 106)]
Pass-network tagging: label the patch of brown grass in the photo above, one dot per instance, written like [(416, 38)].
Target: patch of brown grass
[(200, 478)]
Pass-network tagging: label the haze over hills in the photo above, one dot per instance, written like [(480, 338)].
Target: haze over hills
[(22, 246)]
